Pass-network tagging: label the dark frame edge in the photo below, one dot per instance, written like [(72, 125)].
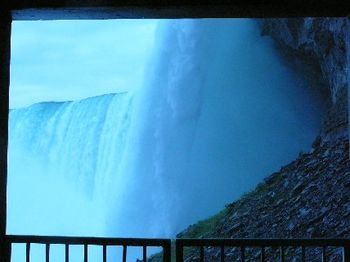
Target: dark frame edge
[(113, 9), (25, 13), (5, 45), (347, 37)]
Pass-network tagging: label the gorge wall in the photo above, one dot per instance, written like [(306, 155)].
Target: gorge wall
[(316, 47), (308, 197)]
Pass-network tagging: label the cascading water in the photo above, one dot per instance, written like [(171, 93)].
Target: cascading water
[(64, 148), (217, 112), (58, 166)]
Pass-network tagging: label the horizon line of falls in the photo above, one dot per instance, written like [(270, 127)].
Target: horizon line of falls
[(218, 111)]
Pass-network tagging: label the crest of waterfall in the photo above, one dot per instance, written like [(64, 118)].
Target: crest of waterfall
[(61, 158)]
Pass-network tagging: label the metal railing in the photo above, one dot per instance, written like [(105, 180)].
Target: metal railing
[(180, 244), (86, 242), (262, 244)]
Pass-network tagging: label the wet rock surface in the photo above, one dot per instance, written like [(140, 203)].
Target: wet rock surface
[(309, 198), (317, 43), (316, 48)]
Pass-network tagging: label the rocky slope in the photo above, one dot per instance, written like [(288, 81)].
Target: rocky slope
[(306, 198), (309, 197)]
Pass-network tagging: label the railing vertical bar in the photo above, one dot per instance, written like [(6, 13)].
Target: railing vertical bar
[(324, 254), (243, 253), (202, 253), (104, 251), (27, 252), (262, 257), (303, 254), (281, 253), (124, 252), (47, 252), (222, 252), (167, 251), (66, 253), (86, 256), (179, 250), (346, 252), (8, 253), (5, 250), (144, 251)]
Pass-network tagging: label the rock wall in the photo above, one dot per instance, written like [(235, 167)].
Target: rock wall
[(317, 42), (316, 47)]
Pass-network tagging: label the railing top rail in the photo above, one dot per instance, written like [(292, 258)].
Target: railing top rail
[(181, 241), (88, 240), (267, 242)]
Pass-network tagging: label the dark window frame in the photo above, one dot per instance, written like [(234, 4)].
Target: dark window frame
[(108, 9)]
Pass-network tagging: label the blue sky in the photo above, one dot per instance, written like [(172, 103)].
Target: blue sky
[(70, 60)]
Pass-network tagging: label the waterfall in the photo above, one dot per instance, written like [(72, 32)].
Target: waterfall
[(58, 162), (218, 111)]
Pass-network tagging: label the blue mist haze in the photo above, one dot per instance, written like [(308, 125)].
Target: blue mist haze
[(70, 60), (216, 111)]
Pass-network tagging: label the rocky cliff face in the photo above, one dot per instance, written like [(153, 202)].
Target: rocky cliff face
[(316, 47), (317, 42), (310, 196)]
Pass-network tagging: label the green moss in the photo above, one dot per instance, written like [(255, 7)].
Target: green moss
[(198, 230), (204, 227)]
